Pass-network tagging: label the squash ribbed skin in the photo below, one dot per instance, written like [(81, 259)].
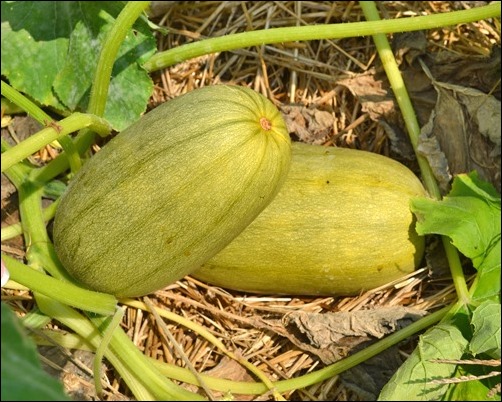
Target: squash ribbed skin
[(340, 224), (172, 190)]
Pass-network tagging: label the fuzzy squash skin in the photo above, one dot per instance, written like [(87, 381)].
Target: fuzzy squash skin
[(341, 224), (172, 190)]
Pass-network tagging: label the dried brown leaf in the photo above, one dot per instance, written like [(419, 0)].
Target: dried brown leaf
[(462, 134), (332, 336), (309, 124)]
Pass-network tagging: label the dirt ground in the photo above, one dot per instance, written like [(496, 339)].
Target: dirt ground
[(334, 93)]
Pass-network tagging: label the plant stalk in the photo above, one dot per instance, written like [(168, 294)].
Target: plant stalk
[(70, 124), (403, 100), (312, 32)]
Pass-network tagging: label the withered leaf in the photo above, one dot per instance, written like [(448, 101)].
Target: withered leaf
[(309, 124), (462, 134), (332, 336)]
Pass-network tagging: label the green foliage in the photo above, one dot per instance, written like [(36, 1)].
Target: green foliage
[(443, 341), (486, 334), (473, 390), (470, 216), (62, 41), (22, 376)]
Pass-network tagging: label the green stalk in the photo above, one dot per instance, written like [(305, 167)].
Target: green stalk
[(9, 107), (32, 144), (35, 319), (101, 84), (255, 388), (325, 31), (11, 231), (63, 292), (60, 163), (402, 97), (90, 334), (40, 253), (163, 389), (203, 332), (108, 55), (403, 100), (43, 118), (133, 366), (17, 173), (25, 104), (103, 346), (39, 249)]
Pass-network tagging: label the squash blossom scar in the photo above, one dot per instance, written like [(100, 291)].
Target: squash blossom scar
[(265, 124)]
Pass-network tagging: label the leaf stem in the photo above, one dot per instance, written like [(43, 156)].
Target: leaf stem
[(60, 163), (201, 331), (16, 229), (101, 84), (70, 124), (43, 118), (41, 256), (403, 100), (122, 346), (100, 351), (256, 388), (63, 292), (26, 104), (457, 273), (325, 31), (91, 336), (108, 55)]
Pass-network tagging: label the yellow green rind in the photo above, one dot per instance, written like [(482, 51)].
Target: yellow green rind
[(341, 224), (172, 190)]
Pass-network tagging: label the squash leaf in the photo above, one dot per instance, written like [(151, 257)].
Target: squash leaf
[(470, 216), (22, 376), (50, 51), (471, 389), (413, 380), (486, 323)]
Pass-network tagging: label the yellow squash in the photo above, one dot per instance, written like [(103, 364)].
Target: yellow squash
[(172, 190), (341, 224)]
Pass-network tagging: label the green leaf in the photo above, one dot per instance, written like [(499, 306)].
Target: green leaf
[(412, 381), (22, 376), (50, 51), (473, 390), (486, 323), (470, 216)]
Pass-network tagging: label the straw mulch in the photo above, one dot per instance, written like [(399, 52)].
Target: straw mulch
[(305, 74)]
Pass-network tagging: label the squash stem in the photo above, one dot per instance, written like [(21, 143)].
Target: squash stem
[(100, 351), (256, 388), (16, 229), (63, 292), (99, 90), (108, 55), (141, 377), (43, 118), (269, 387), (406, 107), (70, 124), (40, 253), (324, 31)]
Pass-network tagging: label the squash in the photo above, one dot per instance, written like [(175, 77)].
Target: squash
[(171, 190), (341, 224)]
